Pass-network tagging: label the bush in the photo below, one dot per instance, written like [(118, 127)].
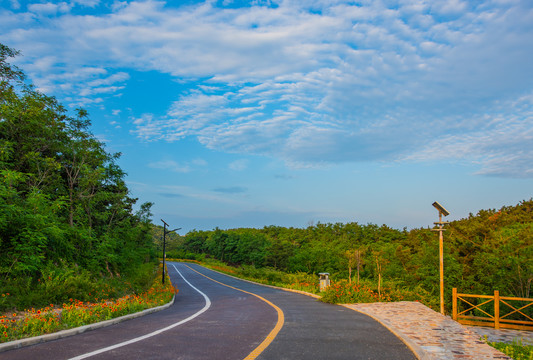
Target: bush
[(34, 322), (516, 350), (184, 255), (342, 292), (56, 284), (61, 282)]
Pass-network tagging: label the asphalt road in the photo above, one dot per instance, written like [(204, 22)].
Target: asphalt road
[(219, 317)]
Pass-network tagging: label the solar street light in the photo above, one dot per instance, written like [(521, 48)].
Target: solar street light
[(440, 229)]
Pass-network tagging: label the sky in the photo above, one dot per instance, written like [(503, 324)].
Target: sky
[(236, 113)]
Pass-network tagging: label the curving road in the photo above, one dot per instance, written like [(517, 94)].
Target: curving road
[(219, 317)]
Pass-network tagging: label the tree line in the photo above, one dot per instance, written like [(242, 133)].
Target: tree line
[(492, 250), (64, 202)]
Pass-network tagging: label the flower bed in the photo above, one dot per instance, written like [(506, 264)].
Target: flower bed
[(34, 322), (343, 292)]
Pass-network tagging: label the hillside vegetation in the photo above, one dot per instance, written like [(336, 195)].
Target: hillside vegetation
[(492, 250), (67, 224)]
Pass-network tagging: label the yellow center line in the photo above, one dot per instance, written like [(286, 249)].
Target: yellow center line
[(272, 335)]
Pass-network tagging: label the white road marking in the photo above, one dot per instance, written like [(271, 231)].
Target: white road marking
[(157, 332)]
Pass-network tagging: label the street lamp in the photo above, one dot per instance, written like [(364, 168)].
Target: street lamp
[(165, 232), (440, 229)]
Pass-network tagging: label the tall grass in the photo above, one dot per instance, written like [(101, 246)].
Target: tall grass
[(59, 283), (74, 312)]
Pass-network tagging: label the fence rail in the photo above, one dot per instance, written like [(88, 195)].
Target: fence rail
[(498, 320)]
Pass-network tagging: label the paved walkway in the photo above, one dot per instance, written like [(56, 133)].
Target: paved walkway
[(433, 336)]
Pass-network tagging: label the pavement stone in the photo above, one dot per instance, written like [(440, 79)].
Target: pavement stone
[(433, 336), (504, 335)]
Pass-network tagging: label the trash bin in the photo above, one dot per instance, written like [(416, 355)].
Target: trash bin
[(324, 281)]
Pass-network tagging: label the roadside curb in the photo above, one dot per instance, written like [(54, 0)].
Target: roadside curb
[(74, 331)]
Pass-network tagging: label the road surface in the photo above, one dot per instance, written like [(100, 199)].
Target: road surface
[(219, 317)]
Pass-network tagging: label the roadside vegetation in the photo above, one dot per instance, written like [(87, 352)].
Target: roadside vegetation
[(516, 350), (68, 228), (489, 251), (75, 313)]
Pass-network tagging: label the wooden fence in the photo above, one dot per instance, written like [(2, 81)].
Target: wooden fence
[(515, 318)]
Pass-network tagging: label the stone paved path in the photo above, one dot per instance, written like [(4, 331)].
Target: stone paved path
[(433, 336), (503, 335)]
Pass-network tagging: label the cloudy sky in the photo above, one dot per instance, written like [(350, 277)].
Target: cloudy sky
[(236, 113)]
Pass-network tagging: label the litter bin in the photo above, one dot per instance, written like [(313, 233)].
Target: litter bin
[(324, 281)]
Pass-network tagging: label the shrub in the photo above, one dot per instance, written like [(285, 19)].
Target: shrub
[(342, 292), (516, 350), (34, 322)]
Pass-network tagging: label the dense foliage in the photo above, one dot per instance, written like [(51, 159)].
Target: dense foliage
[(66, 216), (173, 241), (492, 250)]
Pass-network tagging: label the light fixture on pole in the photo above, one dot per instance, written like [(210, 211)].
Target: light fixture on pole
[(440, 229), (165, 232)]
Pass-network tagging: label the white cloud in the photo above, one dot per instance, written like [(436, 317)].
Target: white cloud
[(501, 141), (199, 162), (448, 7), (49, 8), (170, 165), (239, 165), (306, 81), (15, 4), (89, 3), (212, 196)]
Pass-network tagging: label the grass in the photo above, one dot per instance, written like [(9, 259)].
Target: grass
[(61, 281), (74, 313), (516, 350)]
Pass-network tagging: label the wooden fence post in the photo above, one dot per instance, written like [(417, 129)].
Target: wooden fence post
[(496, 309), (454, 304)]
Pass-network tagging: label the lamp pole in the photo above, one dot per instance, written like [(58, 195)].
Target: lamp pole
[(440, 229), (165, 232)]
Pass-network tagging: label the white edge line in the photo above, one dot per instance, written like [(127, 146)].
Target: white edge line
[(157, 332)]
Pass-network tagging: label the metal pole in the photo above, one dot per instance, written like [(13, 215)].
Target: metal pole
[(164, 255), (441, 257), (440, 229)]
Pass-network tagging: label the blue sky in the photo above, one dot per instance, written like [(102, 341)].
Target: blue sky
[(252, 113)]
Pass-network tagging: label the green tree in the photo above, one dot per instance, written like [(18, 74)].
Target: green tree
[(63, 198)]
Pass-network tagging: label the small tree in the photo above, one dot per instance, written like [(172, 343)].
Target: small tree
[(380, 261), (354, 257)]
